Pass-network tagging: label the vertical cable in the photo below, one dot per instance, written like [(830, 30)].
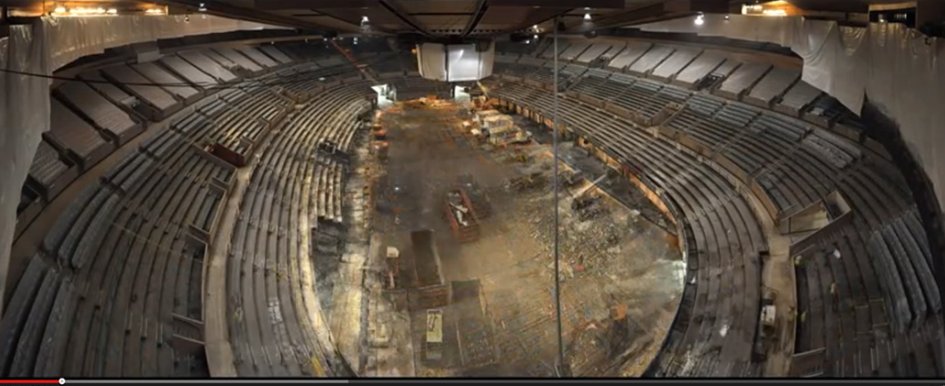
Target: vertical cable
[(554, 129)]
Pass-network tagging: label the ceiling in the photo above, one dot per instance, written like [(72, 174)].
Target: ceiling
[(456, 18), (438, 19)]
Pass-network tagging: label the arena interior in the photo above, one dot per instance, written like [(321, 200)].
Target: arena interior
[(472, 188)]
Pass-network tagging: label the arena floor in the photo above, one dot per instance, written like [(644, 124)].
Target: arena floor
[(621, 272)]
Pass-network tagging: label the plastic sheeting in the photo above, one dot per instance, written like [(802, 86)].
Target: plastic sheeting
[(466, 63), (431, 60), (24, 116), (899, 69), (455, 62), (70, 38), (44, 46)]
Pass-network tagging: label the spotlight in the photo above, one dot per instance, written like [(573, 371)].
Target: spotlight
[(535, 36), (587, 17), (202, 7), (700, 20)]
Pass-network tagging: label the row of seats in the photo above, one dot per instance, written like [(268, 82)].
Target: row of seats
[(756, 83), (124, 272), (116, 286), (270, 329), (111, 106), (866, 295), (796, 164), (644, 100), (715, 327)]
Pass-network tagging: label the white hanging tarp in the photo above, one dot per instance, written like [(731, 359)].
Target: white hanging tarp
[(44, 46), (898, 69), (455, 62), (24, 116), (431, 60), (70, 38)]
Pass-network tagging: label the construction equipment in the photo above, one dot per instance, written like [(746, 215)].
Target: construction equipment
[(378, 131), (333, 151), (587, 207), (519, 157), (474, 333), (477, 197), (431, 290), (767, 334), (461, 215), (528, 182), (433, 344), (393, 266), (570, 179)]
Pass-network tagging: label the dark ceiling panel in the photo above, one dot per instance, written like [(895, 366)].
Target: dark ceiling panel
[(835, 5), (613, 4), (312, 4), (470, 16)]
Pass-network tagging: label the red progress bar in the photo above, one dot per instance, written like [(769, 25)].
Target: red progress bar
[(30, 381)]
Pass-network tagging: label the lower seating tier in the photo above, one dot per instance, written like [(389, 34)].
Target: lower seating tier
[(867, 302)]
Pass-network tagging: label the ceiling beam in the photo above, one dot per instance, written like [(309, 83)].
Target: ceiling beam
[(475, 19), (658, 11), (355, 25), (536, 16), (218, 8), (611, 4), (403, 16), (311, 4)]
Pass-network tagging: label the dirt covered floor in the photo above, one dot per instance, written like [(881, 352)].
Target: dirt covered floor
[(621, 271)]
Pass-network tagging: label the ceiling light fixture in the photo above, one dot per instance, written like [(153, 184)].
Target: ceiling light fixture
[(587, 17), (202, 7), (61, 10), (774, 12), (700, 20)]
